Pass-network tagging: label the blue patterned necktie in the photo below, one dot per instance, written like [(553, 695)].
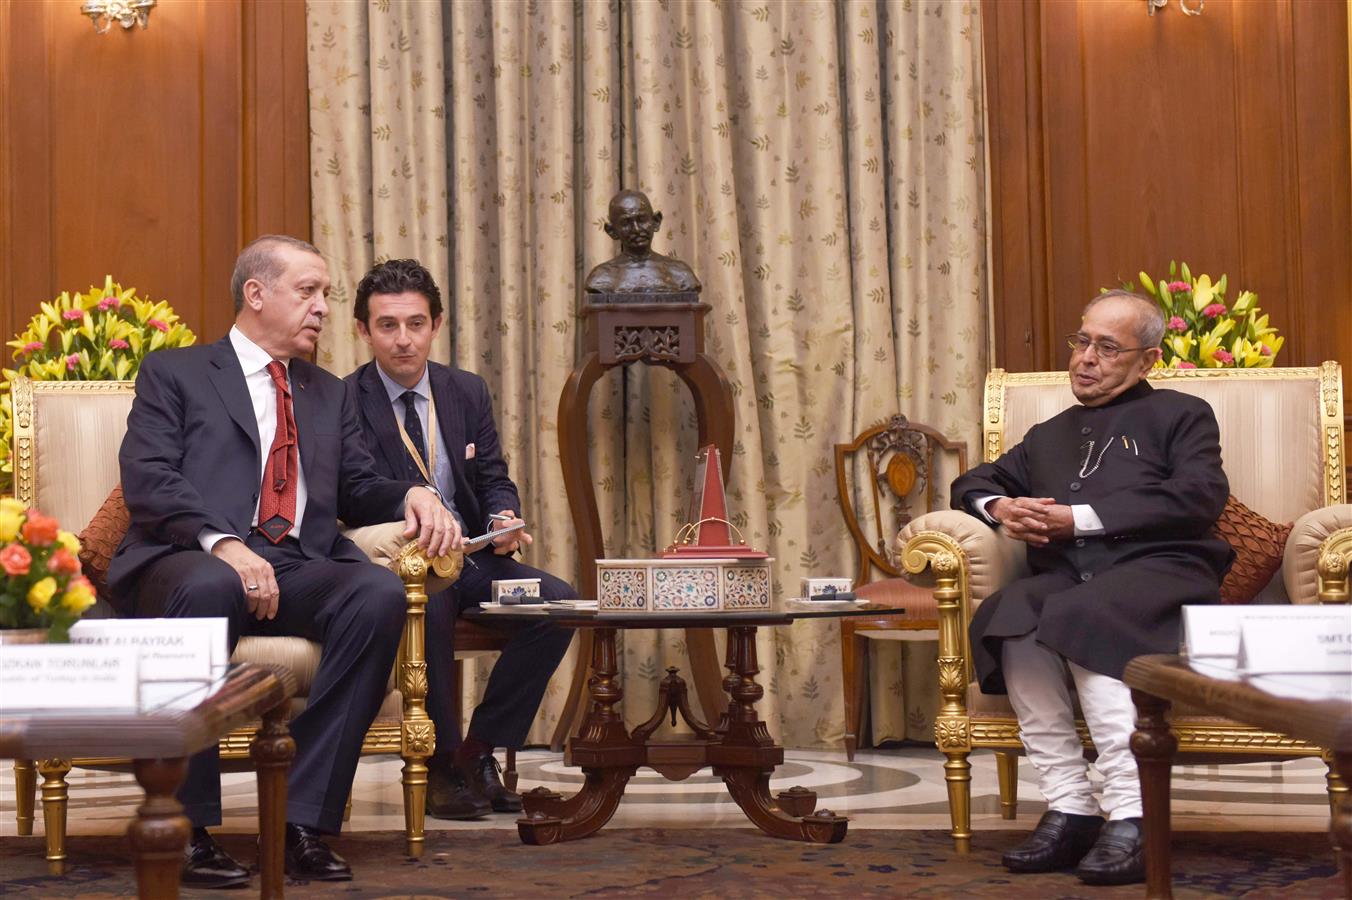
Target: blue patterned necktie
[(413, 425)]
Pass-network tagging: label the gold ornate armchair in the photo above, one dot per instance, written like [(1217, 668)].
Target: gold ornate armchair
[(66, 440), (1282, 444)]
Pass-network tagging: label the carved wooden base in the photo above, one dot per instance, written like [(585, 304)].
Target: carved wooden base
[(55, 796), (739, 750), (271, 752)]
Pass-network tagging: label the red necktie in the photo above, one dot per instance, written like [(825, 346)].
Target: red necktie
[(277, 499)]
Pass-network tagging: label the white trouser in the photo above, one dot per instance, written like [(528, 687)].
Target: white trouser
[(1036, 679)]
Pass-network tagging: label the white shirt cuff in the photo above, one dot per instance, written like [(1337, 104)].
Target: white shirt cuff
[(982, 502), (1087, 522), (209, 539)]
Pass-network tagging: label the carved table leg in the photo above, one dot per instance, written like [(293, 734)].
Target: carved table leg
[(271, 752), (1154, 745), (604, 751), (160, 830), (746, 756), (1340, 825), (25, 792), (54, 798)]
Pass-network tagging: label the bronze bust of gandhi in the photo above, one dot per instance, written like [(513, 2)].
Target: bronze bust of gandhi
[(637, 268)]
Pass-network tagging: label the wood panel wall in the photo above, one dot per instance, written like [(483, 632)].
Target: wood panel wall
[(149, 155), (1119, 141)]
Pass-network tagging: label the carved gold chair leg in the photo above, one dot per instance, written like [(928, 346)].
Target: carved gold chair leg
[(1007, 768), (417, 737), (25, 795), (958, 777), (55, 795), (1337, 785)]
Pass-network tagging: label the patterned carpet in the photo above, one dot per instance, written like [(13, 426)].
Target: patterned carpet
[(692, 863)]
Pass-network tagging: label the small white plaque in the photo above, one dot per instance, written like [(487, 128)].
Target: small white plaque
[(1211, 632), (816, 587), (1309, 644), (515, 590), (67, 677), (171, 649)]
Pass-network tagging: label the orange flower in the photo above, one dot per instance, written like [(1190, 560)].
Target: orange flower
[(63, 562), (15, 560), (39, 530)]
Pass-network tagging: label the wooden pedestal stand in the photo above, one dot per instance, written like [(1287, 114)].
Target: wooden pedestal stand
[(669, 334)]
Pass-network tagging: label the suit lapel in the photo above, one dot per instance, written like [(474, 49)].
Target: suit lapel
[(450, 420), (228, 379), (302, 407), (375, 406)]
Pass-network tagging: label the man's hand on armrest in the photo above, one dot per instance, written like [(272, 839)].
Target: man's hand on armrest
[(437, 530)]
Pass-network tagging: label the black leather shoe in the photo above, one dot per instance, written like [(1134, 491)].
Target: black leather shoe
[(450, 796), (308, 858), (206, 865), (1059, 841), (1118, 857), (483, 776)]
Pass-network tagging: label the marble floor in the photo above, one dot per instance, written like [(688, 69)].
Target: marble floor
[(900, 788)]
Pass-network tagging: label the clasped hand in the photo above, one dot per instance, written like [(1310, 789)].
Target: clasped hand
[(1034, 520)]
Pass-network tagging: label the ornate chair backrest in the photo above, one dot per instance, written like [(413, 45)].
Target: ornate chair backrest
[(1281, 428), (885, 477), (66, 439)]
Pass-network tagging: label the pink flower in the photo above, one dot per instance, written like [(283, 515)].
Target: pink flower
[(1176, 286), (63, 562), (72, 361), (118, 344), (1265, 350), (1177, 324), (73, 315), (156, 323), (32, 347), (16, 560), (108, 302), (1224, 356), (1214, 310), (1187, 365)]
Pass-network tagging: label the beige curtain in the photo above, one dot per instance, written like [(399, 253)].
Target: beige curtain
[(819, 164)]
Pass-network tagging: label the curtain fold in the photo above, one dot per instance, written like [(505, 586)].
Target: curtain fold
[(818, 164)]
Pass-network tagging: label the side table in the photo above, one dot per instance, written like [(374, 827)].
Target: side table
[(738, 747), (159, 743), (1318, 710)]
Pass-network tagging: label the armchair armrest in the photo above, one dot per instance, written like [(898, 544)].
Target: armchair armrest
[(386, 545), (993, 559), (1318, 555)]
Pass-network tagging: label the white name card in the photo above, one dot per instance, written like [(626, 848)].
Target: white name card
[(67, 677), (171, 649), (1271, 646), (1214, 631)]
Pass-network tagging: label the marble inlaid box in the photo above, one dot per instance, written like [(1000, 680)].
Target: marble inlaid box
[(683, 585)]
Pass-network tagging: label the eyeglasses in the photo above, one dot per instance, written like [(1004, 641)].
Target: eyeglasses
[(1080, 343)]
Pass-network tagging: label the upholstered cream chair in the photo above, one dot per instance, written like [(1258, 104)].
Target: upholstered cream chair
[(1282, 445), (66, 440)]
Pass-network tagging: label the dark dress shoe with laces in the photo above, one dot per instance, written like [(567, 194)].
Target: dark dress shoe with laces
[(1059, 841), (206, 865), (1118, 857), (450, 795), (308, 858), (483, 776)]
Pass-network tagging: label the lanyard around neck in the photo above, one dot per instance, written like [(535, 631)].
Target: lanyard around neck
[(430, 437)]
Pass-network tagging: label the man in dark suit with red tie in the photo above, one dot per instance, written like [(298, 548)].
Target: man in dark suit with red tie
[(239, 459), (425, 420)]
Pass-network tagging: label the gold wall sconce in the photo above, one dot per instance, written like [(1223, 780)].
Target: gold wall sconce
[(127, 13), (1152, 5)]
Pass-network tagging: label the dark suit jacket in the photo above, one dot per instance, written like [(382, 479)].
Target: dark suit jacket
[(464, 417), (1149, 463), (191, 460)]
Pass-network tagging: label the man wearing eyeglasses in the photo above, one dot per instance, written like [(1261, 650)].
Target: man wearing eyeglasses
[(1115, 498)]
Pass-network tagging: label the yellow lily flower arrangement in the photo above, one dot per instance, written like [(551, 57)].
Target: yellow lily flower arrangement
[(101, 334), (1201, 331)]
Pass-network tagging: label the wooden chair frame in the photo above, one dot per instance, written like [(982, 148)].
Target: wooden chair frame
[(872, 555)]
